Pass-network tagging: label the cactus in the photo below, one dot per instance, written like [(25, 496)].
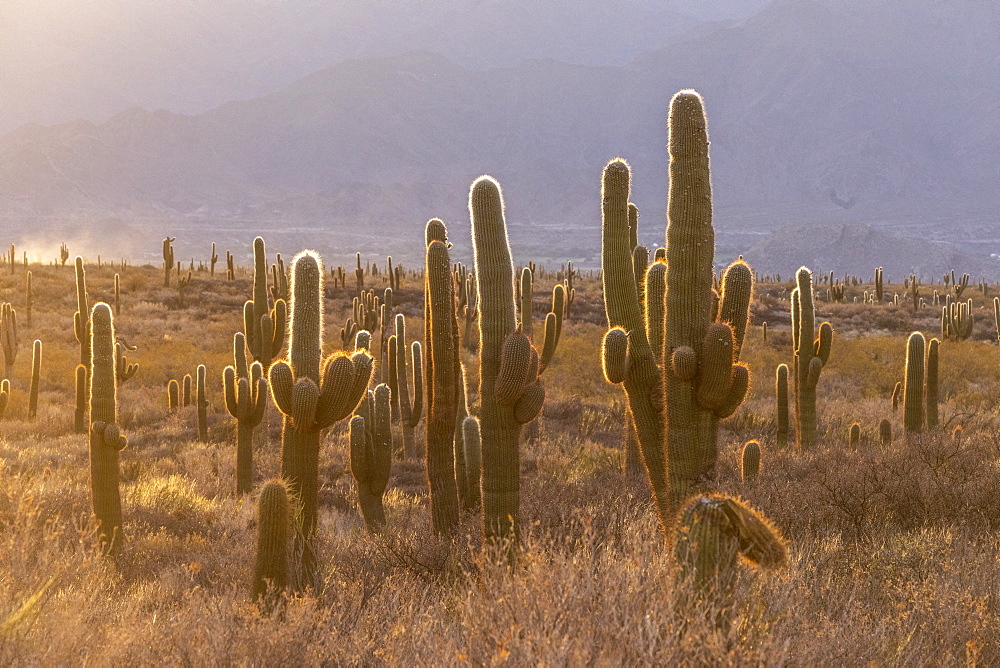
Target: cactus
[(105, 439), (442, 408), (28, 298), (312, 394), (879, 293), (885, 432), (472, 448), (913, 385), (264, 329), (371, 455), (173, 395), (80, 413), (359, 274), (202, 403), (956, 436), (957, 320), (781, 391), (182, 283), (36, 367), (750, 461), (996, 316), (279, 280), (854, 439), (9, 341), (509, 392), (931, 384), (123, 369), (63, 253), (400, 384), (810, 356), (713, 532), (897, 393), (4, 396), (118, 294), (81, 319), (270, 574), (213, 258), (914, 292), (186, 390), (168, 259), (230, 266), (246, 397)]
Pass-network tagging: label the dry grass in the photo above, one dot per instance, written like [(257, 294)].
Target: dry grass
[(893, 550)]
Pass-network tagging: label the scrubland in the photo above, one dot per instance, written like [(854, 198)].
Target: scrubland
[(893, 549)]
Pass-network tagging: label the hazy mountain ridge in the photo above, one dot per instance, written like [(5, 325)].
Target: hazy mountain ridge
[(816, 112)]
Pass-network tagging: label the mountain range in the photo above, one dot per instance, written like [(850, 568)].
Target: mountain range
[(821, 112)]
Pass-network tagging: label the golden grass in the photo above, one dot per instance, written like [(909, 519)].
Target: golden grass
[(893, 551)]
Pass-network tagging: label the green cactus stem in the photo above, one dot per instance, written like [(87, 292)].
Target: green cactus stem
[(750, 461), (168, 259), (371, 455), (4, 396), (106, 440), (246, 398), (202, 403), (81, 319), (213, 258), (173, 395), (781, 392), (263, 328), (913, 384), (442, 408), (472, 447), (123, 368), (810, 356), (897, 393), (36, 367), (270, 574), (400, 383), (186, 390), (80, 413), (931, 384), (9, 342)]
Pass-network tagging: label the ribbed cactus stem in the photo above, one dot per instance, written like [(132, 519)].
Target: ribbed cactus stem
[(400, 383), (913, 384), (441, 412), (628, 357), (472, 446), (36, 367), (201, 402), (371, 455), (81, 319), (80, 413), (246, 396), (500, 429), (105, 439), (750, 461), (810, 356), (781, 392), (270, 575), (885, 432), (854, 440), (931, 384)]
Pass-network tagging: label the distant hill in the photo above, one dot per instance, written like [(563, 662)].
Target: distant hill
[(893, 108)]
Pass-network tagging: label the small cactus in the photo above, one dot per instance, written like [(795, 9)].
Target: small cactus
[(913, 386), (750, 461), (36, 366), (202, 403), (270, 575), (885, 432), (855, 435), (173, 395), (810, 356), (371, 455)]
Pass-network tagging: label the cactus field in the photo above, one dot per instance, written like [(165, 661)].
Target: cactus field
[(666, 458)]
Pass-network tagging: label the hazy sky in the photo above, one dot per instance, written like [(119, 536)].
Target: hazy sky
[(67, 59)]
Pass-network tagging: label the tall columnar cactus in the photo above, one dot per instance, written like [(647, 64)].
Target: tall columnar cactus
[(118, 295), (713, 532), (168, 259), (263, 327), (186, 390), (781, 392), (371, 454), (80, 412), (106, 440), (399, 383), (312, 394), (173, 395), (509, 392), (201, 401), (81, 319), (270, 574), (931, 384), (279, 280), (36, 367), (913, 384), (9, 342), (213, 258), (4, 396), (699, 379), (885, 432), (879, 293), (442, 407), (246, 397), (703, 381), (123, 368), (472, 447), (810, 356)]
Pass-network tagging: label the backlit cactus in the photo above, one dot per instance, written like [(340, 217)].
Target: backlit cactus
[(263, 327), (750, 461), (442, 381), (312, 393), (931, 384), (400, 383), (885, 432), (509, 392), (123, 368), (173, 395), (168, 260), (810, 356), (9, 342), (274, 518), (4, 396), (371, 455), (246, 398), (472, 448), (781, 392), (201, 402), (106, 440), (913, 384), (36, 366), (854, 437)]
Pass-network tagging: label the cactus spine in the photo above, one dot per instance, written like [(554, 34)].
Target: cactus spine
[(810, 356), (312, 394), (246, 396), (442, 408), (509, 393), (36, 367), (371, 455), (270, 574), (105, 439), (913, 384)]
